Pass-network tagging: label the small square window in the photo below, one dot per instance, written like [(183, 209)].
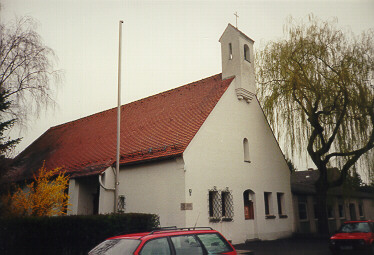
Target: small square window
[(303, 212), (315, 211), (330, 212), (280, 202), (361, 210), (341, 211), (268, 202)]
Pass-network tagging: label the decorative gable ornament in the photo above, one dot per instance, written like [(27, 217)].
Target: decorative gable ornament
[(244, 94)]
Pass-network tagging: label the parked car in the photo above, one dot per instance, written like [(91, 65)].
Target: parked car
[(171, 241), (354, 237)]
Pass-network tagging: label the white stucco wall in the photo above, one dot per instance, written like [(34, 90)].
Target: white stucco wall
[(81, 193), (73, 197), (215, 158), (106, 201), (368, 207), (155, 187), (309, 225)]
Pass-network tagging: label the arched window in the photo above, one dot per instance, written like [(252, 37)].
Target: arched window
[(230, 51), (246, 53), (246, 150), (249, 199)]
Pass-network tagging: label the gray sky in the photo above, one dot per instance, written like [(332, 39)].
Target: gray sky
[(166, 44)]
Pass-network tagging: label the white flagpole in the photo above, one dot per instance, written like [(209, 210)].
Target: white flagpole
[(116, 177)]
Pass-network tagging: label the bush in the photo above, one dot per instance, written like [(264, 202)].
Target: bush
[(67, 234)]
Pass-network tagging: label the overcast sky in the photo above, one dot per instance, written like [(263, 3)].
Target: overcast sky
[(166, 44)]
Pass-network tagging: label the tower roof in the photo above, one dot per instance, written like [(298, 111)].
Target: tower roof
[(229, 26)]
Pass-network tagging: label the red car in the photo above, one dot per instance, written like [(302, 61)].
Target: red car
[(354, 237), (172, 241)]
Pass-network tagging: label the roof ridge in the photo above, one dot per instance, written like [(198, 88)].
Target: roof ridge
[(131, 103)]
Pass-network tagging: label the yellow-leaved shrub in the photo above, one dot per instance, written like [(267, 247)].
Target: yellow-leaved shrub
[(45, 196)]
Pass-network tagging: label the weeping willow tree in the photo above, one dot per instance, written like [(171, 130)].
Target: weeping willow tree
[(316, 89)]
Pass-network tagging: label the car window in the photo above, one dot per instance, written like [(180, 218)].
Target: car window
[(372, 226), (115, 247), (186, 245), (355, 227), (159, 246), (214, 244)]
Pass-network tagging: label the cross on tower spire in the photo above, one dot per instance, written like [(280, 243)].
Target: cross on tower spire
[(237, 16)]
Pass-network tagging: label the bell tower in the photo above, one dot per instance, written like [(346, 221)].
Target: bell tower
[(238, 60)]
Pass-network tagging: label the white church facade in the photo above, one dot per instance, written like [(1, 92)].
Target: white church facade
[(202, 154)]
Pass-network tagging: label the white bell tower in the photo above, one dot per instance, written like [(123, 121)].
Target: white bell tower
[(238, 60)]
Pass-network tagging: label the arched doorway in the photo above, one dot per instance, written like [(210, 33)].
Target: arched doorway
[(249, 200)]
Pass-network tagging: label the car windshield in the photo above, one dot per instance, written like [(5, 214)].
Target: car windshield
[(214, 243), (355, 227), (115, 247)]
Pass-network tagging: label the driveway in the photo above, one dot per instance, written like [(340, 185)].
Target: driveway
[(292, 246)]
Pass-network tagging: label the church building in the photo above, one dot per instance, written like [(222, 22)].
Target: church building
[(202, 154)]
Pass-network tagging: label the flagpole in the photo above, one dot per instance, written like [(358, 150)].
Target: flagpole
[(116, 177)]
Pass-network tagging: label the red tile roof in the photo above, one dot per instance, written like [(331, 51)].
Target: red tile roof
[(152, 128)]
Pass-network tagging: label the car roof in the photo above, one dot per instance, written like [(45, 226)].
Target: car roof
[(357, 221), (164, 232)]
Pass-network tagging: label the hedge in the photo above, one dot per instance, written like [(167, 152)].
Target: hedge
[(67, 235)]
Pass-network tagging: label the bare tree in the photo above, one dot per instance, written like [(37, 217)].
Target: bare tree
[(315, 88), (27, 74)]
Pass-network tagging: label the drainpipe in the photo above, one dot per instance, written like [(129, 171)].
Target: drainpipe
[(116, 176), (102, 185)]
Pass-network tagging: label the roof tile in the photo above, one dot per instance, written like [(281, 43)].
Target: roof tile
[(155, 127)]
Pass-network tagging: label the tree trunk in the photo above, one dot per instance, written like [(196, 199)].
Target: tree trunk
[(321, 199)]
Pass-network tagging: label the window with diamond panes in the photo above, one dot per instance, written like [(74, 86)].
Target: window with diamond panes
[(214, 204), (221, 205), (227, 205), (121, 203)]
